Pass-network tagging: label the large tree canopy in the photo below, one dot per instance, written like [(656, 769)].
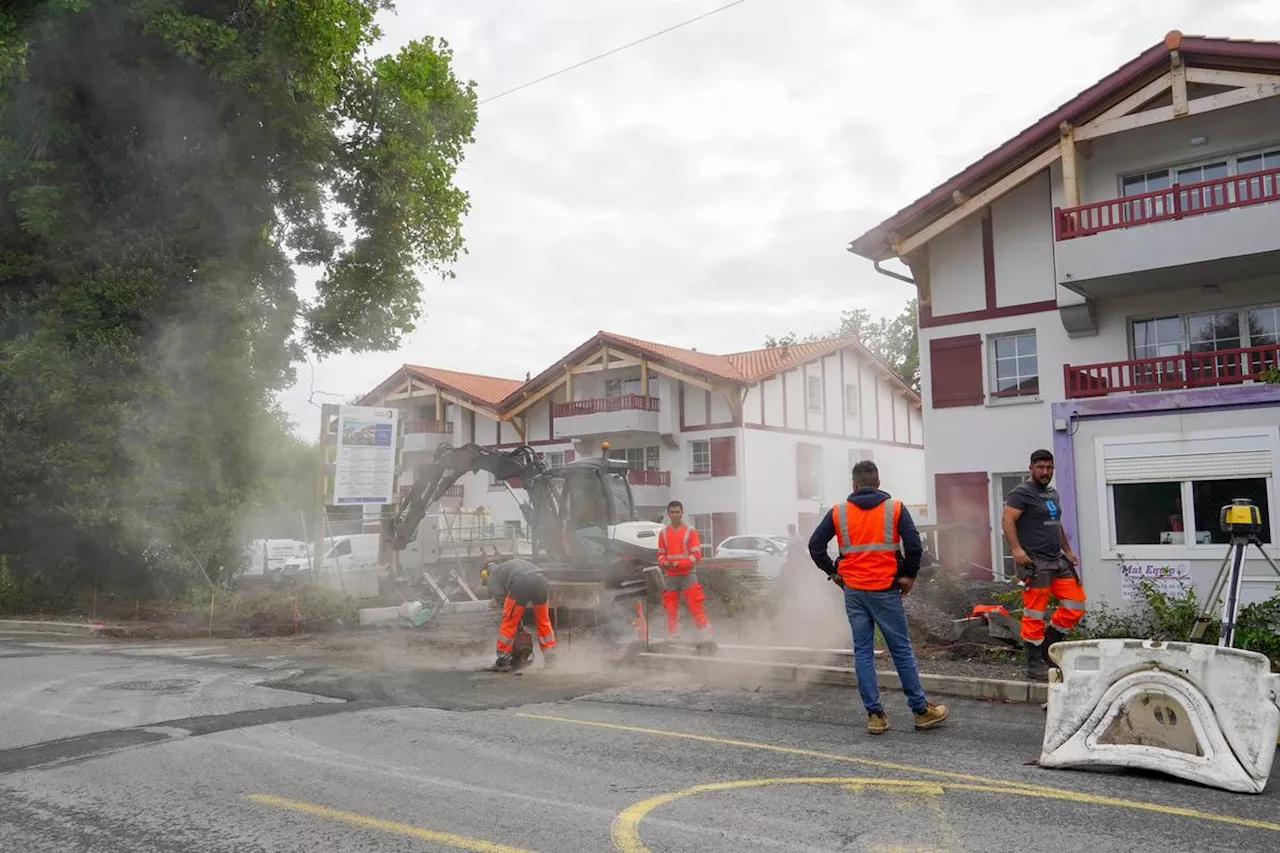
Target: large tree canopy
[(163, 165), (894, 342)]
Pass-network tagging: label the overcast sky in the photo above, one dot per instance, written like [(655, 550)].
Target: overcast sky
[(700, 189)]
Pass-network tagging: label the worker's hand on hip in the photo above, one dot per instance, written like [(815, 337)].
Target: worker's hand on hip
[(836, 579), (905, 585), (1072, 558), (1021, 557)]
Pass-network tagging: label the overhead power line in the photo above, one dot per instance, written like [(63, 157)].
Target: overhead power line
[(649, 37)]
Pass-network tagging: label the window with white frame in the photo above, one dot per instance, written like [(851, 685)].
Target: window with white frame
[(702, 524), (553, 459), (1015, 369), (813, 393), (1169, 490), (850, 400), (1192, 197), (1164, 339), (625, 387), (700, 457), (639, 458)]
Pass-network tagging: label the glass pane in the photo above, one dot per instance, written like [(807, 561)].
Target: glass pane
[(1027, 365), (1252, 163), (1145, 511), (1210, 496), (1006, 368), (1264, 326), (1006, 347), (1027, 345)]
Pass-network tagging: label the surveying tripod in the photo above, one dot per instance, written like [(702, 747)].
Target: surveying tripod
[(1244, 522)]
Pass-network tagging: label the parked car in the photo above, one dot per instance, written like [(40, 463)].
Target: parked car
[(769, 552)]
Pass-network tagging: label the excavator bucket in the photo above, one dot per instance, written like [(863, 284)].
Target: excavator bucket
[(1197, 712)]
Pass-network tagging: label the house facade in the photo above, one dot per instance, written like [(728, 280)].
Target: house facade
[(749, 442), (1107, 285)]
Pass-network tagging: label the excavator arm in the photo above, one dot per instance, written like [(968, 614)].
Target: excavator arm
[(450, 464)]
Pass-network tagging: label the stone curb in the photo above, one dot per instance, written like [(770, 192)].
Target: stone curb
[(25, 626), (946, 685)]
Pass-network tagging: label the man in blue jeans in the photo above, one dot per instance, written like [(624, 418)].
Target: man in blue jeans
[(870, 527)]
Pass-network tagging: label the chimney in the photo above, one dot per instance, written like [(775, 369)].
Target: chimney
[(786, 350)]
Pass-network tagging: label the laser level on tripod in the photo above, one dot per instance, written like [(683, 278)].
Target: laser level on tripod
[(1243, 521)]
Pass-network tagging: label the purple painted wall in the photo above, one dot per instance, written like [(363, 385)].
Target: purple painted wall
[(1135, 405)]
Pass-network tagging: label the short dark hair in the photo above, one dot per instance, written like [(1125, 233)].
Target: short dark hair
[(675, 505), (865, 472), (1041, 455)]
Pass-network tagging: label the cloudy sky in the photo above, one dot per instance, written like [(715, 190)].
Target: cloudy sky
[(700, 189)]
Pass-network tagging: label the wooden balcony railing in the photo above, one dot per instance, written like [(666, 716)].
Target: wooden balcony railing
[(1170, 373), (624, 403), (1179, 201), (649, 478)]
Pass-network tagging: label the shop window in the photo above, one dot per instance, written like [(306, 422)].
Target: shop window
[(1210, 496), (1148, 513)]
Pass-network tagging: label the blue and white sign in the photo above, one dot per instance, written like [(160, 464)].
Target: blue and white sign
[(365, 468)]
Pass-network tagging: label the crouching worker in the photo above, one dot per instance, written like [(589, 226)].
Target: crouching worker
[(520, 585)]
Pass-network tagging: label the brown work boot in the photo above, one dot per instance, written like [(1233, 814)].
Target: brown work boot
[(877, 723), (931, 716)]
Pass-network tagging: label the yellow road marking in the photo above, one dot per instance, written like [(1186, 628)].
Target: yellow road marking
[(625, 831), (978, 782), (448, 839)]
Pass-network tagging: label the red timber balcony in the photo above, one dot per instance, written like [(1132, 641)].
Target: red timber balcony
[(424, 435), (1216, 368), (1215, 230), (605, 416), (650, 488)]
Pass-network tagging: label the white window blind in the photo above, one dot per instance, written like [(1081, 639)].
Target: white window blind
[(1193, 459)]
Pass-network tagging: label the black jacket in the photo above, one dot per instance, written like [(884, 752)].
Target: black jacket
[(504, 576), (912, 548)]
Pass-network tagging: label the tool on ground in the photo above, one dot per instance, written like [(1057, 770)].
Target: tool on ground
[(1243, 520), (1208, 714)]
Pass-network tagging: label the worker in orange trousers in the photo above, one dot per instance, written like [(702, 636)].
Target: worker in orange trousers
[(520, 585), (679, 552)]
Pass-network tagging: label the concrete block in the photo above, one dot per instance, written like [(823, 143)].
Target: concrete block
[(370, 616), (465, 606)]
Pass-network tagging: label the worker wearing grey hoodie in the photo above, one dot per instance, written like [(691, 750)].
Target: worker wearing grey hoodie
[(880, 552)]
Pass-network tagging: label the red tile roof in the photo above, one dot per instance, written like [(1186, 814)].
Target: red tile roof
[(712, 365), (489, 390), (757, 364), (1203, 50)]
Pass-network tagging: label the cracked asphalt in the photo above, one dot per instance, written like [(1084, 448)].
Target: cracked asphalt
[(200, 748)]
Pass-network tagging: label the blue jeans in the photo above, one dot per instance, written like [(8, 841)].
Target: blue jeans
[(868, 611)]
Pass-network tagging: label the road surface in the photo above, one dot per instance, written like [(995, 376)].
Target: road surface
[(188, 748)]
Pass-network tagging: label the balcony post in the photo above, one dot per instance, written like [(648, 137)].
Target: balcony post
[(1070, 174)]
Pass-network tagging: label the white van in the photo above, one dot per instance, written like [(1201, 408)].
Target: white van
[(341, 552)]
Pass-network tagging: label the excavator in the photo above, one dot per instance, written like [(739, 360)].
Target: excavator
[(585, 534)]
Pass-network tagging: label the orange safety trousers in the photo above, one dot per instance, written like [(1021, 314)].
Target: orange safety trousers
[(693, 599), (1051, 577), (512, 613)]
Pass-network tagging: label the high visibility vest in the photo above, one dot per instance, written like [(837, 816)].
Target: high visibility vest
[(678, 544), (868, 540)]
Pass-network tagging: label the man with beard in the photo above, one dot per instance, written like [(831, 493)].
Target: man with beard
[(1046, 563)]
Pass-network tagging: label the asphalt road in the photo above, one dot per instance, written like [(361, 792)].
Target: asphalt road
[(189, 749)]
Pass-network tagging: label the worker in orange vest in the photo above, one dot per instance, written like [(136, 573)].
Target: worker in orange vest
[(871, 527), (679, 551)]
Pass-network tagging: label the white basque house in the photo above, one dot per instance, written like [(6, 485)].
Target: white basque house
[(1107, 285), (748, 442)]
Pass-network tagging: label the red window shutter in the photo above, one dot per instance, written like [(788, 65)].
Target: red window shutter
[(723, 525), (955, 368), (568, 456), (724, 459)]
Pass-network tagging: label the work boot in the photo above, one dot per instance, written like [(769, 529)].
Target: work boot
[(549, 658), (504, 663), (931, 716), (877, 723), (1036, 668), (1051, 635)]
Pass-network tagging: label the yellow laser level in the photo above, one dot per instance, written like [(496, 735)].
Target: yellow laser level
[(1240, 517), (1243, 520)]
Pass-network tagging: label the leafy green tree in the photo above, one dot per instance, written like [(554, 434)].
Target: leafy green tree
[(894, 341), (163, 165)]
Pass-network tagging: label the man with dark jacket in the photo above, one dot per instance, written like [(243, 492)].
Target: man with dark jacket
[(870, 528), (519, 584)]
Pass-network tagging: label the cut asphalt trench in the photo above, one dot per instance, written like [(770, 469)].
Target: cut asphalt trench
[(112, 747)]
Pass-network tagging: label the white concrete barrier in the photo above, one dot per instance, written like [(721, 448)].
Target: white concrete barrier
[(1194, 711)]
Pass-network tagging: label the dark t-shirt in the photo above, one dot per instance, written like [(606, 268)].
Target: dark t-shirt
[(1040, 525)]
